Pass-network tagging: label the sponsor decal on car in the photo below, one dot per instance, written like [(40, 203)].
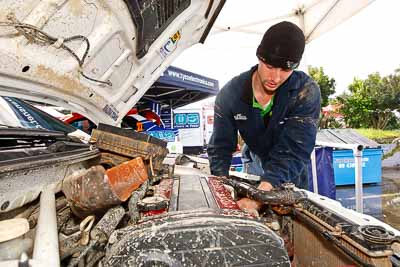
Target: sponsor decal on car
[(170, 45)]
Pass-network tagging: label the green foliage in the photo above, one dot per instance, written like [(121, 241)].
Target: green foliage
[(393, 124), (327, 85), (371, 102), (380, 136)]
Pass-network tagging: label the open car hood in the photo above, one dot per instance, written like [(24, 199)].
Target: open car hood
[(95, 57)]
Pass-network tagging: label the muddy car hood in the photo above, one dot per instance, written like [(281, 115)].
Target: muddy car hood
[(97, 58)]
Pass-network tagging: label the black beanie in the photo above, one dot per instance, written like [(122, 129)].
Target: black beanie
[(282, 46)]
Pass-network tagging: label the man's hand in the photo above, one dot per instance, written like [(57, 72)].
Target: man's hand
[(265, 186), (252, 206)]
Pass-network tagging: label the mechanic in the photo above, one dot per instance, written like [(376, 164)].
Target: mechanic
[(275, 109)]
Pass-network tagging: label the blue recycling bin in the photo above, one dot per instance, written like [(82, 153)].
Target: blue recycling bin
[(344, 166), (237, 163)]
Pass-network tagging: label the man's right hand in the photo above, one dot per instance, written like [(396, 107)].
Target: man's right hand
[(253, 206)]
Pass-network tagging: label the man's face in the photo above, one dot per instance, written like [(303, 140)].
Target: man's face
[(271, 77)]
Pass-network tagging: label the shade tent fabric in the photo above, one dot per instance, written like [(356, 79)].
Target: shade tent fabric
[(230, 48), (314, 17), (177, 87)]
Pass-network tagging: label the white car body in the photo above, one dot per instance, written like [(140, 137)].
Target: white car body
[(47, 72)]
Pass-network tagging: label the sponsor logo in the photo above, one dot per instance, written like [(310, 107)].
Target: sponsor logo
[(186, 120), (190, 78), (292, 65), (170, 45), (240, 117), (111, 111), (25, 114)]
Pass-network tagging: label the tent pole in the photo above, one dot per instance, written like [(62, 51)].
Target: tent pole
[(172, 114), (358, 179), (314, 171)]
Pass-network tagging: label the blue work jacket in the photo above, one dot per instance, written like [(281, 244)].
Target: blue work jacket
[(283, 141)]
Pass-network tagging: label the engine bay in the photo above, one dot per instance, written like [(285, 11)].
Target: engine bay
[(132, 205)]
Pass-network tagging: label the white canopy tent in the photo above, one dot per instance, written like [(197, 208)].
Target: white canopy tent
[(314, 17), (231, 45)]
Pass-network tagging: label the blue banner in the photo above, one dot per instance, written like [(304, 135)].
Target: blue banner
[(166, 135), (183, 78), (166, 117)]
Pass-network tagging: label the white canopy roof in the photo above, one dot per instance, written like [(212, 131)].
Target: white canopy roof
[(230, 48), (314, 17)]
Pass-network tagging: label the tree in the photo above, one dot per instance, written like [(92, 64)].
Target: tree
[(355, 106), (326, 84), (372, 101), (331, 116)]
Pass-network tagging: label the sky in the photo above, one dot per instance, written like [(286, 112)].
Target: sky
[(366, 43)]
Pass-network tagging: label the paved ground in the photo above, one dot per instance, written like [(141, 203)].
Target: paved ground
[(380, 200), (393, 161)]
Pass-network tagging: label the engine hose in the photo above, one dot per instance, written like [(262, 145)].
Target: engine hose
[(133, 201), (107, 224), (274, 197)]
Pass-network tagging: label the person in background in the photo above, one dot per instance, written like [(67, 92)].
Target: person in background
[(275, 108)]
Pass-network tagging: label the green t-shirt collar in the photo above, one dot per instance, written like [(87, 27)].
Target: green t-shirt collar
[(267, 109)]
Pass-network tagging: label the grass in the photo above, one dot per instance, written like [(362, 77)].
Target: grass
[(380, 136)]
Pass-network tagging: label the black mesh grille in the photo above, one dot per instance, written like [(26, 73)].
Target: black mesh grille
[(167, 8), (151, 18)]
